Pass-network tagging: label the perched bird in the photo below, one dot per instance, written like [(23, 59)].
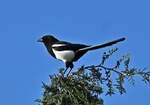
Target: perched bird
[(69, 52)]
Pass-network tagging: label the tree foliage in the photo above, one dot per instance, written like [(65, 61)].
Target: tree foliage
[(86, 84)]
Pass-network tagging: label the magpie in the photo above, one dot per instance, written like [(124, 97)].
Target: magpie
[(69, 52)]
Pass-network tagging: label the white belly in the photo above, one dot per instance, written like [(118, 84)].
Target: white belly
[(65, 56)]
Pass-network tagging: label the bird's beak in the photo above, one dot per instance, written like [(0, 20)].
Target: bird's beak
[(40, 40)]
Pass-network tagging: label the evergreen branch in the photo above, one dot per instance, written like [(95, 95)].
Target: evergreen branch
[(87, 83)]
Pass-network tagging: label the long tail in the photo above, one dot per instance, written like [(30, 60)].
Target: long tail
[(101, 45)]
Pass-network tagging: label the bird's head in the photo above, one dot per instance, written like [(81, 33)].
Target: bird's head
[(47, 39)]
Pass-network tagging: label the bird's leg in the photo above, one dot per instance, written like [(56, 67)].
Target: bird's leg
[(69, 72), (71, 66), (67, 66), (65, 70)]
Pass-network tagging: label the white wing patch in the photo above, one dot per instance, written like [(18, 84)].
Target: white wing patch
[(65, 56), (58, 45)]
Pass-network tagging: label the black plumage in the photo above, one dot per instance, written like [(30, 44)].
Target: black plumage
[(68, 52)]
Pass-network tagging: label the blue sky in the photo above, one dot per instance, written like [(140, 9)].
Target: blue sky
[(26, 63)]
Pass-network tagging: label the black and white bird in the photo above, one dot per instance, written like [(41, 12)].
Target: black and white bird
[(69, 52)]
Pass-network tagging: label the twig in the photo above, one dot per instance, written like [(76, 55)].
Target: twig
[(105, 68)]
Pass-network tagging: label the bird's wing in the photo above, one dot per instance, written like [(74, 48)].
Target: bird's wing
[(65, 46), (60, 46)]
